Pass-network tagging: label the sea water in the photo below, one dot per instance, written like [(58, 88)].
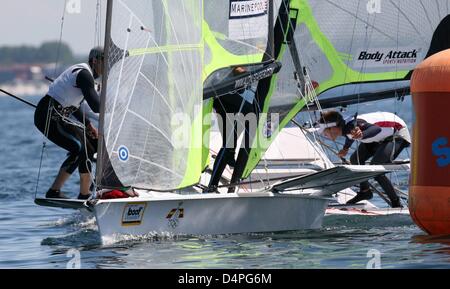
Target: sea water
[(39, 237)]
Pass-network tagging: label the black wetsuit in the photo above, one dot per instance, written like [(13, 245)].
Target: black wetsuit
[(63, 133), (230, 104), (382, 152)]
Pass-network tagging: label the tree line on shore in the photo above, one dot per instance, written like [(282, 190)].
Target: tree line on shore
[(47, 52)]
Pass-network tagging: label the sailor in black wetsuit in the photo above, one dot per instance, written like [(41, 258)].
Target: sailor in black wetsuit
[(383, 136), (226, 107), (53, 119)]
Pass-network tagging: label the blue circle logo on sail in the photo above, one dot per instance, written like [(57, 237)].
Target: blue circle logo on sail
[(123, 153)]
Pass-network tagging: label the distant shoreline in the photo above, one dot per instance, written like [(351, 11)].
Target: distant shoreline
[(25, 88)]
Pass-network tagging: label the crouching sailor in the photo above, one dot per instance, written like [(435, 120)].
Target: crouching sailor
[(53, 117), (382, 137)]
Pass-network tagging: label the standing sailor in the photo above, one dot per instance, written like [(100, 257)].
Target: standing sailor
[(53, 119), (383, 136), (231, 109)]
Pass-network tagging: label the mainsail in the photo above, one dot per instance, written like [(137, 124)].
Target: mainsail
[(152, 102), (349, 42)]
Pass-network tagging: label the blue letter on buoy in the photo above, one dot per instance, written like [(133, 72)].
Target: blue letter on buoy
[(442, 152)]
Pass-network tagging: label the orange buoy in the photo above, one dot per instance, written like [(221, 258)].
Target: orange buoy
[(429, 193)]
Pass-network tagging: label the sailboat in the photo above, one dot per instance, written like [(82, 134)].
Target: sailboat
[(166, 62)]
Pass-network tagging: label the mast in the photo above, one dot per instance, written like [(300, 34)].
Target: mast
[(300, 76), (101, 140), (271, 41)]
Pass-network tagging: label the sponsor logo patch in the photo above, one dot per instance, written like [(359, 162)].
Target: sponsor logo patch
[(248, 19), (387, 57), (174, 216), (247, 8), (133, 213)]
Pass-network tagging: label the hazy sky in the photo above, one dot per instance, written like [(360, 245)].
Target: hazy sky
[(35, 21)]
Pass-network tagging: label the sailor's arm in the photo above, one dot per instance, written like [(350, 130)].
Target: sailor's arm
[(370, 131), (348, 143), (86, 83), (364, 131)]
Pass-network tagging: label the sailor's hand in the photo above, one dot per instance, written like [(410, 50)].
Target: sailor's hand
[(92, 131), (356, 133), (342, 153)]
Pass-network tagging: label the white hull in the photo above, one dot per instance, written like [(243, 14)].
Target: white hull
[(209, 214)]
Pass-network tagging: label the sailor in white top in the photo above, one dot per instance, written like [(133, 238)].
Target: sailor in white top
[(53, 118), (382, 135)]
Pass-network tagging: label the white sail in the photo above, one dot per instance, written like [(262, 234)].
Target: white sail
[(154, 93)]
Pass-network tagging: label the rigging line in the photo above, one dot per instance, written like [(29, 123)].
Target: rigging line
[(314, 145), (396, 84), (89, 165), (124, 55), (409, 21), (39, 171), (357, 18), (291, 45), (44, 144), (363, 69), (307, 105), (98, 24), (438, 8), (351, 41), (309, 88), (428, 16), (367, 39), (58, 52)]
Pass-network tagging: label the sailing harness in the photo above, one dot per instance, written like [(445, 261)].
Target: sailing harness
[(60, 113)]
